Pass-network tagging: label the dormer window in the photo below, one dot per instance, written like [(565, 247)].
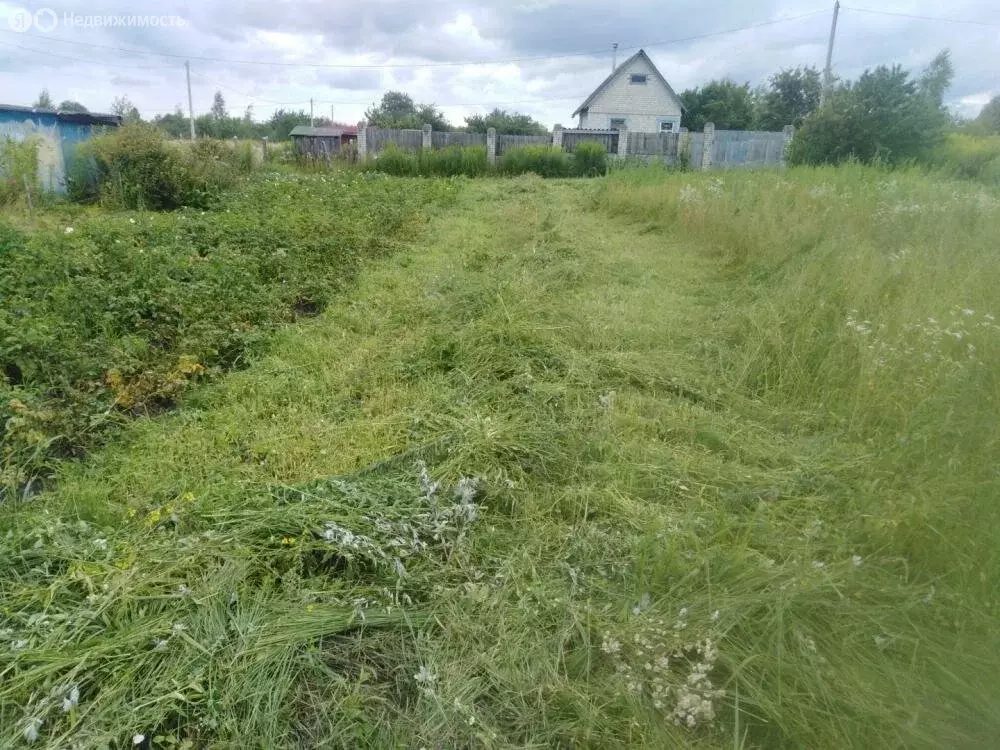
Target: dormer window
[(639, 79)]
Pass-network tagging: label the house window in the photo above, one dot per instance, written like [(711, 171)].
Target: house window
[(639, 78), (666, 126), (617, 123)]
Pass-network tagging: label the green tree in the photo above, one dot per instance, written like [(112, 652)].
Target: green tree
[(44, 101), (398, 110), (726, 104), (937, 77), (218, 110), (69, 105), (125, 109), (174, 124), (789, 97), (883, 116), (988, 121), (506, 123)]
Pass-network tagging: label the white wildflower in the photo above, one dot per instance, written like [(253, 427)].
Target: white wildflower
[(715, 616), (31, 728), (856, 560), (71, 700), (138, 739), (819, 564), (606, 400), (69, 230), (611, 645), (160, 644), (132, 221), (18, 645), (467, 489)]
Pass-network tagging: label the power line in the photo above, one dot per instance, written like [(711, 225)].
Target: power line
[(446, 64), (921, 18)]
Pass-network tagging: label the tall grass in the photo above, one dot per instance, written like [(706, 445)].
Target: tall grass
[(716, 502), (866, 313), (969, 156)]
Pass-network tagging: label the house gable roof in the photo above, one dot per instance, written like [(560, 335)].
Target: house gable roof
[(641, 54)]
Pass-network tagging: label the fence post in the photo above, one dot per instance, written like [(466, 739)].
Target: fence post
[(623, 141), (362, 140), (491, 145), (428, 141), (557, 132), (706, 152), (789, 131), (684, 148)]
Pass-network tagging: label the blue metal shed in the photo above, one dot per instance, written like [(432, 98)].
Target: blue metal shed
[(58, 135)]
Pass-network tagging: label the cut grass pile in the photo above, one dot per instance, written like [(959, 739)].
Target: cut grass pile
[(626, 463)]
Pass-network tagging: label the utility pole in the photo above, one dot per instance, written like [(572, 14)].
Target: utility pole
[(827, 72), (312, 120), (187, 67), (614, 56), (331, 114)]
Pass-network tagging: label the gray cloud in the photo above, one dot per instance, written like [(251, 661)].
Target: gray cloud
[(402, 32)]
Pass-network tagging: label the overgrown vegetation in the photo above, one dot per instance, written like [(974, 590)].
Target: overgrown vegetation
[(135, 167), (884, 117), (589, 159), (106, 314), (970, 157), (628, 462), (18, 169), (470, 161)]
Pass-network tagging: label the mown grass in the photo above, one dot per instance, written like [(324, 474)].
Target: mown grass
[(718, 500)]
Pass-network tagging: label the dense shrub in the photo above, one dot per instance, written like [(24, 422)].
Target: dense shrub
[(968, 156), (137, 168), (590, 159), (544, 161), (883, 117), (112, 313), (18, 168)]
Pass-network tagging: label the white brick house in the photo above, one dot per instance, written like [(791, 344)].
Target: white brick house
[(635, 96)]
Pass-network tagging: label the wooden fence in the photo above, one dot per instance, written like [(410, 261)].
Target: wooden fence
[(506, 142), (441, 139), (408, 140), (664, 145), (607, 138)]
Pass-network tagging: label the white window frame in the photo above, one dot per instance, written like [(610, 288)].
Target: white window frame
[(668, 129)]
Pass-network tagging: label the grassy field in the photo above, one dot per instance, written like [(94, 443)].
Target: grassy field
[(653, 460)]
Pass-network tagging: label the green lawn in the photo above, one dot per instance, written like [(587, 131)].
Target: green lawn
[(700, 460)]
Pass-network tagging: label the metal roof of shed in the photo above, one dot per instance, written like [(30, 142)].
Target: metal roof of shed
[(80, 118)]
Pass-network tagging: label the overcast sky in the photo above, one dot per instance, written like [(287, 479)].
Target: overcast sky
[(543, 57)]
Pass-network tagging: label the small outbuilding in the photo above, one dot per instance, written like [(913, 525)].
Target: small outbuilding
[(322, 142), (57, 134)]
